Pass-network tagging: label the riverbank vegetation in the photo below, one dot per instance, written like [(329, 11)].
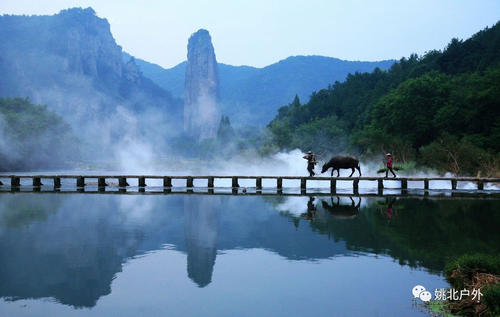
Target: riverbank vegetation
[(441, 110), (475, 271), (32, 137)]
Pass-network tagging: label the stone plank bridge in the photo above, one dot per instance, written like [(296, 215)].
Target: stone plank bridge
[(103, 180)]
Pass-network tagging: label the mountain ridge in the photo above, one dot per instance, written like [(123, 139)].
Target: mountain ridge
[(71, 62), (252, 95)]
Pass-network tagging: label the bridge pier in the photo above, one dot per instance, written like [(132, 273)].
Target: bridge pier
[(480, 185), (279, 183), (15, 181), (333, 185), (355, 186), (234, 182), (189, 182), (101, 182), (80, 181), (258, 183), (142, 181), (167, 182), (303, 183), (404, 186), (380, 186), (426, 184), (37, 182), (57, 182), (404, 183), (210, 182), (453, 184), (122, 182)]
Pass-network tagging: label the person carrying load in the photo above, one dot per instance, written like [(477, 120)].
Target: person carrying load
[(311, 161), (388, 163)]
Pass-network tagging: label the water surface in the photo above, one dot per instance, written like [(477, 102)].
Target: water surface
[(192, 255)]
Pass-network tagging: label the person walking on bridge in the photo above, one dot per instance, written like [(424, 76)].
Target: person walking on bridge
[(311, 161), (388, 163)]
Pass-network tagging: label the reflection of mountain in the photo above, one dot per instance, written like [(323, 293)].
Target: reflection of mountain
[(71, 256), (201, 219), (73, 246)]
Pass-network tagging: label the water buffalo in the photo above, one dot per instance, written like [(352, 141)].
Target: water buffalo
[(342, 161)]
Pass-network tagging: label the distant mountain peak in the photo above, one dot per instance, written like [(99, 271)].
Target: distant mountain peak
[(201, 90), (201, 40), (78, 10), (201, 32)]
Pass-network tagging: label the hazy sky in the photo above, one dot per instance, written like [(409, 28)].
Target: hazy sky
[(261, 32)]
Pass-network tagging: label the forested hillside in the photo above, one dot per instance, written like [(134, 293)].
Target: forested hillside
[(32, 137), (441, 109)]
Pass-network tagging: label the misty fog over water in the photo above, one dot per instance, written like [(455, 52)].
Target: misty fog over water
[(281, 164)]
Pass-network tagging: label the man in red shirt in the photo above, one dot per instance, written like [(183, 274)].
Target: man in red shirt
[(389, 165)]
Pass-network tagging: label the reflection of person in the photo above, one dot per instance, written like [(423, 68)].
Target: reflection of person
[(388, 163), (389, 210), (311, 161), (311, 210)]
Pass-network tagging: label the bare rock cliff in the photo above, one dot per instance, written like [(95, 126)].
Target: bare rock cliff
[(201, 94)]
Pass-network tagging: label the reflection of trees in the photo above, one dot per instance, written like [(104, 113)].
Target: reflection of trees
[(425, 233), (22, 212)]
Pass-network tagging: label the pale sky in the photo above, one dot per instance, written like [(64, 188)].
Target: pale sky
[(262, 32)]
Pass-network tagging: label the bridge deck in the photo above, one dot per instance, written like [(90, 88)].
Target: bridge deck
[(363, 178)]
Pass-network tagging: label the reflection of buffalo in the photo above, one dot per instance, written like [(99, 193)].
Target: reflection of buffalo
[(342, 211), (342, 161)]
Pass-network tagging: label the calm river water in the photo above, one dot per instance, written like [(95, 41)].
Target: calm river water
[(221, 255)]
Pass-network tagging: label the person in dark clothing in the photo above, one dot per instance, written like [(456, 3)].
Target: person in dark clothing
[(388, 163), (311, 161)]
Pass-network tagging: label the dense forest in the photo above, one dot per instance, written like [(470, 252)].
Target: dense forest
[(440, 110), (33, 137)]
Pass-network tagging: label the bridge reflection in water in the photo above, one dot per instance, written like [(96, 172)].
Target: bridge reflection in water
[(248, 191)]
